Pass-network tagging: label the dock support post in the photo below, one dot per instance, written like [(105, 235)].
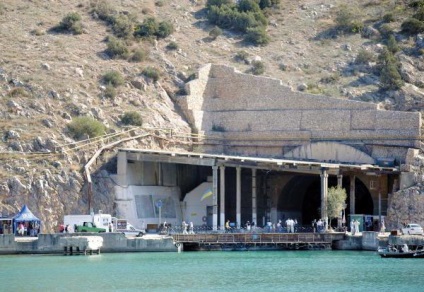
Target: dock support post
[(352, 194), (222, 197), (324, 192), (238, 197), (254, 210), (215, 197)]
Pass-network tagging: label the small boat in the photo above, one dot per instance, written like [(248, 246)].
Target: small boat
[(401, 252)]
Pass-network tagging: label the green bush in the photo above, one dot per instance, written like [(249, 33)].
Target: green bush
[(151, 73), (71, 23), (347, 20), (388, 17), (215, 32), (390, 77), (218, 3), (257, 36), (113, 78), (268, 3), (139, 55), (420, 14), (110, 91), (386, 30), (123, 26), (151, 28), (117, 48), (82, 126), (242, 56), (364, 57), (132, 118), (417, 3), (248, 6), (165, 29), (412, 26), (245, 16), (148, 28), (172, 46), (258, 68), (392, 44), (104, 11)]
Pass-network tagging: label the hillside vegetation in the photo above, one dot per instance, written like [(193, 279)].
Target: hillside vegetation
[(73, 70)]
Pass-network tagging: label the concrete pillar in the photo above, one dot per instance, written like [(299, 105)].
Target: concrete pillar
[(222, 197), (352, 194), (339, 185), (379, 200), (159, 172), (340, 180), (254, 208), (122, 168), (215, 197), (324, 191), (238, 197)]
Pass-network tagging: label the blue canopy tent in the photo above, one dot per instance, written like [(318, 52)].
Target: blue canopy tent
[(26, 217)]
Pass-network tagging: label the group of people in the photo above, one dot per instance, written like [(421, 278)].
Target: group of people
[(319, 225), (66, 228), (354, 226), (188, 226), (290, 225), (27, 229)]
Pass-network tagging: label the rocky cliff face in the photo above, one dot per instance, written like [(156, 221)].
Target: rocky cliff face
[(49, 78), (407, 205)]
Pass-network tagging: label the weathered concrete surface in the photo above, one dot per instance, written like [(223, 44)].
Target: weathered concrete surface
[(82, 243), (408, 239), (112, 242), (255, 115), (7, 243), (370, 240), (350, 243)]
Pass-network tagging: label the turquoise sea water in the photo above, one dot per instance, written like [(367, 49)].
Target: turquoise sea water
[(212, 271)]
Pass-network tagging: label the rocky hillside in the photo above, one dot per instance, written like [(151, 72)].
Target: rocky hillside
[(50, 75)]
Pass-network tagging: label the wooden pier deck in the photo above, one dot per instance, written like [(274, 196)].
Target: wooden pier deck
[(252, 241)]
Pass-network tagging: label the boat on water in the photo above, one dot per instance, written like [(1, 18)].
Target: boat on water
[(400, 252)]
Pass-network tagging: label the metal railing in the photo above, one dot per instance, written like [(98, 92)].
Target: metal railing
[(258, 238)]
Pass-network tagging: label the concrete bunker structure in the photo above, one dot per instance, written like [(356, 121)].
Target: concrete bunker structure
[(267, 153)]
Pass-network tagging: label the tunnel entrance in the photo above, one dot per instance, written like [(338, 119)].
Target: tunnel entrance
[(301, 198)]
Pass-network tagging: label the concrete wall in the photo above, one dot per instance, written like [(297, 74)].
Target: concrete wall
[(7, 243), (126, 204), (370, 240), (194, 208), (254, 116), (112, 242)]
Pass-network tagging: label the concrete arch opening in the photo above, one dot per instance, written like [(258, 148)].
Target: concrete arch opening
[(301, 198)]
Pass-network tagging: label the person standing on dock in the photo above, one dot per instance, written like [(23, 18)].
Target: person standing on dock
[(288, 225), (191, 228), (21, 229), (320, 225), (248, 226), (184, 225), (279, 226)]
